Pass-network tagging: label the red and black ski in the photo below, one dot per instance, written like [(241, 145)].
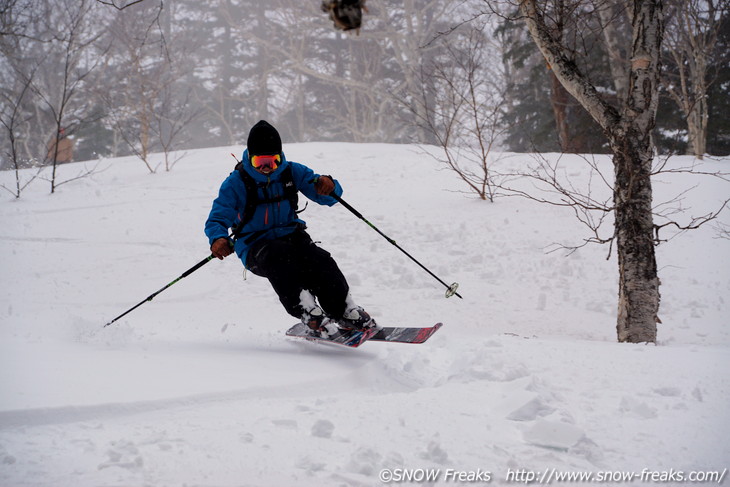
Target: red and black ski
[(348, 338), (355, 338), (405, 335)]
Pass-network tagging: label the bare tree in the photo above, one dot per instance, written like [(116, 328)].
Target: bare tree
[(129, 104), (628, 128), (460, 105), (23, 31), (637, 221), (149, 108), (11, 111), (692, 32), (66, 68), (409, 35), (172, 117), (234, 69), (15, 16), (49, 50)]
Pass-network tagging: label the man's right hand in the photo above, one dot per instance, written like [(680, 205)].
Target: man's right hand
[(221, 248)]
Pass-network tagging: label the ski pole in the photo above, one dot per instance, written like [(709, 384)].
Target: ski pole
[(450, 290), (152, 296)]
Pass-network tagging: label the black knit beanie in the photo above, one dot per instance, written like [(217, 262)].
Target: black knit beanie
[(263, 139)]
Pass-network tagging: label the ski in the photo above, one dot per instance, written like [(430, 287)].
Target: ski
[(405, 335), (347, 338), (355, 338)]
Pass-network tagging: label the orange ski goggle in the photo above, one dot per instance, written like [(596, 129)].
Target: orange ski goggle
[(262, 162)]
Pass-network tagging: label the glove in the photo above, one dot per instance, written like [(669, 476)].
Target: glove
[(324, 185), (221, 248)]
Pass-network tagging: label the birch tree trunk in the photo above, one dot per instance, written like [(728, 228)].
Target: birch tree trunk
[(610, 14), (628, 129), (559, 99)]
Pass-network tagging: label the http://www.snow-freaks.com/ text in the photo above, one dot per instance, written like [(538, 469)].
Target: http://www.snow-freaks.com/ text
[(549, 476)]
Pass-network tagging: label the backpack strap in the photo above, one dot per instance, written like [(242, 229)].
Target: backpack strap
[(253, 200)]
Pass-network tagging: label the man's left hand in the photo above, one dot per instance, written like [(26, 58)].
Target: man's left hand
[(324, 185)]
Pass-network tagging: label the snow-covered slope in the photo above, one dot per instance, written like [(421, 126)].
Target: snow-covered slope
[(200, 386)]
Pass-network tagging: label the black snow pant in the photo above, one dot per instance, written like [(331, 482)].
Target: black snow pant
[(294, 263)]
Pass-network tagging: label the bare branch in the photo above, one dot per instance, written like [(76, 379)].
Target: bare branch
[(112, 3), (81, 175), (723, 231), (694, 224), (692, 169), (460, 104), (567, 71)]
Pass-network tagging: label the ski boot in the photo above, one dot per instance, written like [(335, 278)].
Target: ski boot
[(318, 323), (356, 318)]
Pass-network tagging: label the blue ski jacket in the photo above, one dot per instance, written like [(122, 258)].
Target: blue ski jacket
[(270, 220)]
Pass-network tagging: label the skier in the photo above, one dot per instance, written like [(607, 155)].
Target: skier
[(259, 201)]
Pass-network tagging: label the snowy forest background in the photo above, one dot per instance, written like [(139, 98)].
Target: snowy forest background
[(133, 78)]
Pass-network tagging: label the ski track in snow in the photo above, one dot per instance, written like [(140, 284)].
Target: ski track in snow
[(200, 386)]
